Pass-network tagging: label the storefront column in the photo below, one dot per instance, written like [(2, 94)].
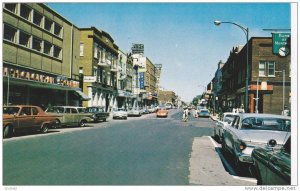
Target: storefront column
[(252, 103), (90, 95), (99, 103)]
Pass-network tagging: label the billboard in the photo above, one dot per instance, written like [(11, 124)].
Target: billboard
[(142, 80), (281, 43), (137, 49)]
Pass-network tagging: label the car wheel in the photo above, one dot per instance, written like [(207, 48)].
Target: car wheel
[(82, 123), (56, 124), (8, 131), (45, 128)]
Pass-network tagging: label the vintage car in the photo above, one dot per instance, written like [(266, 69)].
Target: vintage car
[(204, 113), (251, 129), (162, 112), (119, 113), (98, 113), (219, 126), (71, 115), (272, 166), (134, 112), (24, 118)]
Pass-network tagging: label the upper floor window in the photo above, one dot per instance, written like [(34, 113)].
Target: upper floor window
[(37, 18), (261, 68), (57, 30), (95, 50), (81, 49), (24, 39), (48, 24), (11, 7), (37, 44), (57, 52), (271, 68), (47, 48), (10, 33), (25, 12)]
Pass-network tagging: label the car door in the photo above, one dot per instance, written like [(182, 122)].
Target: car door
[(76, 116), (25, 119), (37, 119), (230, 133)]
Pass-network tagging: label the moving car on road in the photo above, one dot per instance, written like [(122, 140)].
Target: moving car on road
[(162, 112), (251, 129), (272, 166), (134, 112), (24, 118), (98, 113), (120, 113), (71, 115), (204, 113)]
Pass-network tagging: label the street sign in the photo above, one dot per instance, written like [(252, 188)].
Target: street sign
[(280, 42), (142, 78), (137, 48), (89, 78)]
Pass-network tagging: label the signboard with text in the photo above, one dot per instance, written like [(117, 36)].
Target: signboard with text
[(137, 49), (280, 42), (142, 79)]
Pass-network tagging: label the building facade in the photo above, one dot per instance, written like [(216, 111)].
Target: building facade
[(149, 97), (166, 96), (100, 65), (270, 71), (40, 56)]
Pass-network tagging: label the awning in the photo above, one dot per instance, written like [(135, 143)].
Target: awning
[(82, 95)]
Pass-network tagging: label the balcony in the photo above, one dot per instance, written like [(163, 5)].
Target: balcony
[(104, 63)]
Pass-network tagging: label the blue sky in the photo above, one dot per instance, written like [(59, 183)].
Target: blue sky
[(181, 36)]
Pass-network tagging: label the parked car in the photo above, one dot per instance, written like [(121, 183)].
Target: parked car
[(272, 166), (98, 113), (249, 130), (24, 118), (226, 119), (71, 115), (204, 113), (162, 112), (120, 113), (134, 112)]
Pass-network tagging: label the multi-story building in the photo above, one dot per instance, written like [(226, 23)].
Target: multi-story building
[(166, 96), (40, 51), (150, 84), (99, 62), (270, 71)]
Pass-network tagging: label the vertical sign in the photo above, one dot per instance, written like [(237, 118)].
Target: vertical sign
[(142, 78), (280, 43)]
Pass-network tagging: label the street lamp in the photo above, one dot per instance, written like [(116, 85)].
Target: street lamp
[(246, 32)]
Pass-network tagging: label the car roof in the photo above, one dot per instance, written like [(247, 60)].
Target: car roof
[(266, 115)]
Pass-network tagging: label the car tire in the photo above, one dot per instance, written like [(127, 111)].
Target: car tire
[(82, 123), (45, 128), (8, 131), (57, 124)]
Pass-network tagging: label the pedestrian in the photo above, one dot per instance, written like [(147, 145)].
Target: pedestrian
[(185, 115)]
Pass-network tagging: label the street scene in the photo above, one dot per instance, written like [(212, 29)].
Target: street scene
[(149, 94)]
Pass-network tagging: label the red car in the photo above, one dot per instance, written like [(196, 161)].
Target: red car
[(23, 118), (162, 112)]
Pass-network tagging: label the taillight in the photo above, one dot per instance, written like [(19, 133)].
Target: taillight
[(242, 146)]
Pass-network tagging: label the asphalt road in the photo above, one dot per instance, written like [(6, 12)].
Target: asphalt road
[(137, 151)]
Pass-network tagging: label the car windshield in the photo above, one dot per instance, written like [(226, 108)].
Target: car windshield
[(55, 109), (228, 118), (275, 124), (94, 109), (10, 110), (204, 112), (119, 109)]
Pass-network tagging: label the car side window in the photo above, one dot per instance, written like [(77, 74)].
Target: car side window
[(235, 123), (35, 111), (73, 110), (25, 111), (68, 110)]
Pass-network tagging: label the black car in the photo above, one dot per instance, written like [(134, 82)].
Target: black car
[(98, 113), (272, 166)]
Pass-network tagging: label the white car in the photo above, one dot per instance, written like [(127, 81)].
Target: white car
[(226, 119), (249, 130), (120, 113)]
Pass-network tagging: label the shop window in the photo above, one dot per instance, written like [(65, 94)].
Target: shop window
[(57, 30), (57, 52), (271, 68), (10, 33), (25, 12), (47, 48), (37, 18), (36, 44), (48, 24), (24, 39), (12, 7), (261, 68)]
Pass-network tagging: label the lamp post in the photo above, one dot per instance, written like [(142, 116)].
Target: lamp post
[(246, 32)]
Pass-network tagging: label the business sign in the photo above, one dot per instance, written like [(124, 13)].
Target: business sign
[(137, 49), (142, 80), (89, 78), (281, 41)]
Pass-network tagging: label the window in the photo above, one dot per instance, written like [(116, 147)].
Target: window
[(271, 68), (11, 7), (35, 111), (37, 18), (95, 50), (57, 52), (81, 49), (57, 29), (25, 12), (47, 48), (48, 24), (261, 68), (10, 33), (24, 39), (36, 44)]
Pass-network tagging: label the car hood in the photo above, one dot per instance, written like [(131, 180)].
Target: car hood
[(263, 136)]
